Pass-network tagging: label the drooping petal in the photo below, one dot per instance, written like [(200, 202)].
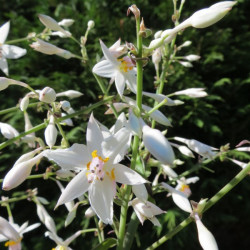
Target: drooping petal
[(131, 80), (101, 195), (119, 82), (94, 136), (8, 231), (71, 158), (4, 31), (104, 68), (13, 52), (76, 187), (126, 175), (206, 238), (4, 66)]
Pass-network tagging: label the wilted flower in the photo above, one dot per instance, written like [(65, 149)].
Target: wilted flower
[(8, 131), (192, 92), (8, 51), (50, 49), (146, 210), (99, 169), (121, 69)]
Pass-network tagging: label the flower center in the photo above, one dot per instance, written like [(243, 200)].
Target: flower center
[(126, 64), (95, 167), (12, 243), (185, 189)]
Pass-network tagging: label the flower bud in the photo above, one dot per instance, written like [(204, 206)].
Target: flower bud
[(192, 58), (186, 64), (20, 171), (24, 103), (65, 105), (192, 92), (158, 145), (47, 95), (158, 34), (66, 22), (207, 17), (50, 132), (91, 24), (8, 131), (89, 213), (4, 83), (70, 93)]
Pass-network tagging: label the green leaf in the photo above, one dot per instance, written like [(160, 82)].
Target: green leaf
[(106, 244)]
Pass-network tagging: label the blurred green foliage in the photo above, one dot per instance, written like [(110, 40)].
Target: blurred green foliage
[(220, 118)]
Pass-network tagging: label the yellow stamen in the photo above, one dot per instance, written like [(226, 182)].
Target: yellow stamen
[(184, 187), (12, 243), (94, 154), (113, 174)]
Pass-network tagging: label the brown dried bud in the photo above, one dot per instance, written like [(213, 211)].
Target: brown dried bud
[(135, 11)]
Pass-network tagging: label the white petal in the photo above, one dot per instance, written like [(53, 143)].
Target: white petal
[(158, 145), (94, 136), (13, 52), (119, 82), (115, 146), (140, 192), (76, 187), (74, 157), (53, 236), (192, 180), (101, 195), (4, 31), (108, 55), (31, 227), (131, 80), (155, 221), (8, 131), (206, 238), (182, 201), (4, 66), (126, 175), (72, 237), (169, 171), (8, 231), (104, 68), (134, 123)]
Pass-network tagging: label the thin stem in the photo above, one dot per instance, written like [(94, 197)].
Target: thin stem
[(63, 134), (157, 106), (238, 178), (17, 40), (24, 197), (98, 230), (13, 109)]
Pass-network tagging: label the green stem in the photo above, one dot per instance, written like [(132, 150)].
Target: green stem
[(98, 230), (156, 107), (17, 40), (63, 134), (43, 125), (24, 197), (13, 109), (238, 178)]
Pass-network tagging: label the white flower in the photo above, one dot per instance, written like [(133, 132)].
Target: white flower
[(52, 24), (51, 132), (186, 64), (70, 94), (21, 169), (8, 51), (179, 198), (8, 131), (140, 192), (47, 95), (192, 58), (99, 169), (121, 69), (13, 234), (206, 238), (146, 210), (158, 145), (5, 82), (192, 92), (62, 244), (200, 148), (50, 49)]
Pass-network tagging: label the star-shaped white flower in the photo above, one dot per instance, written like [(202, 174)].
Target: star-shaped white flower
[(8, 51), (121, 69), (99, 169)]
